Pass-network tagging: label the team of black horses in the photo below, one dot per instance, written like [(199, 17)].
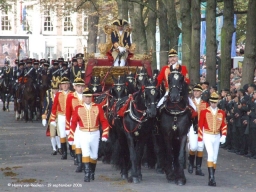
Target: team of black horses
[(140, 132), (139, 128)]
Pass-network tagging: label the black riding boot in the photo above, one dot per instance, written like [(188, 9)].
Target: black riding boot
[(80, 164), (191, 160), (72, 152), (211, 177), (64, 150), (198, 166), (93, 167), (87, 172), (75, 160)]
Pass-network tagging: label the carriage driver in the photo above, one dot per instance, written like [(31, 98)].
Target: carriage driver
[(165, 71), (121, 42), (88, 116), (212, 131)]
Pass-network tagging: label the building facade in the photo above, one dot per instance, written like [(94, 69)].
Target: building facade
[(51, 31)]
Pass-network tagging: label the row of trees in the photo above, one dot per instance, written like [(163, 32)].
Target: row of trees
[(175, 17)]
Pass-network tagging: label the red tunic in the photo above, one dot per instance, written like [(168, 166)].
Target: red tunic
[(59, 105), (212, 124), (201, 106), (71, 103), (88, 120), (165, 71)]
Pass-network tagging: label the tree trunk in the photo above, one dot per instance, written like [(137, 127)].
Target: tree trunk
[(122, 9), (226, 42), (93, 21), (211, 47), (250, 45), (195, 42), (163, 28), (185, 6), (151, 32), (173, 29), (138, 33)]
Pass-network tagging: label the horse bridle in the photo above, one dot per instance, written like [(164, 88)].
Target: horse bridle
[(174, 86)]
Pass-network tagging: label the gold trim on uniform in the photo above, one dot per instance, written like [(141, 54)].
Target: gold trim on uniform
[(89, 118), (209, 163), (86, 159), (199, 153), (214, 122), (78, 151)]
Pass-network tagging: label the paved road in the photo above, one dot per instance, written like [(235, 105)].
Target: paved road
[(26, 165)]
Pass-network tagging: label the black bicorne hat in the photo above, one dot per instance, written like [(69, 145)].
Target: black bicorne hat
[(120, 22)]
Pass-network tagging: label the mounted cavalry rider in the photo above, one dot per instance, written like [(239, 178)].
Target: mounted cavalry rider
[(6, 73), (30, 71), (54, 71), (78, 71), (65, 70), (20, 77), (165, 71), (121, 42)]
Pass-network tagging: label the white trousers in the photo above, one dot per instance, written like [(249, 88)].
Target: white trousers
[(193, 140), (212, 143), (122, 63), (76, 137), (61, 125), (164, 97), (89, 143)]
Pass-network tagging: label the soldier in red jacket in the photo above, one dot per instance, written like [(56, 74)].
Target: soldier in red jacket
[(59, 111), (212, 131), (194, 149), (165, 71), (89, 116), (73, 100)]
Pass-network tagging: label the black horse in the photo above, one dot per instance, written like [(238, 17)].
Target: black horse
[(28, 98), (135, 127), (141, 76), (6, 87), (175, 118), (95, 85)]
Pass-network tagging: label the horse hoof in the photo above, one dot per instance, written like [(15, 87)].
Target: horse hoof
[(124, 176), (180, 182), (135, 180), (140, 178)]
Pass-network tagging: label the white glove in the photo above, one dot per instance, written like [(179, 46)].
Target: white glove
[(200, 144), (166, 93), (44, 122), (70, 142), (104, 139), (53, 123), (223, 139), (67, 132), (121, 49)]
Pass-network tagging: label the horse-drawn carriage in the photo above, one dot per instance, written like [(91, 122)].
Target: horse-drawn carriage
[(102, 66)]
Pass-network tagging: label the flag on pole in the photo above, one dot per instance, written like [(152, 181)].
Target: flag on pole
[(19, 50)]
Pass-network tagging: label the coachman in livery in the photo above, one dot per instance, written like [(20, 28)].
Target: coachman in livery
[(121, 42)]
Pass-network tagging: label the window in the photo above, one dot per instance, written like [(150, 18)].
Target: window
[(86, 24), (5, 22), (48, 26), (49, 52), (69, 52), (68, 26)]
